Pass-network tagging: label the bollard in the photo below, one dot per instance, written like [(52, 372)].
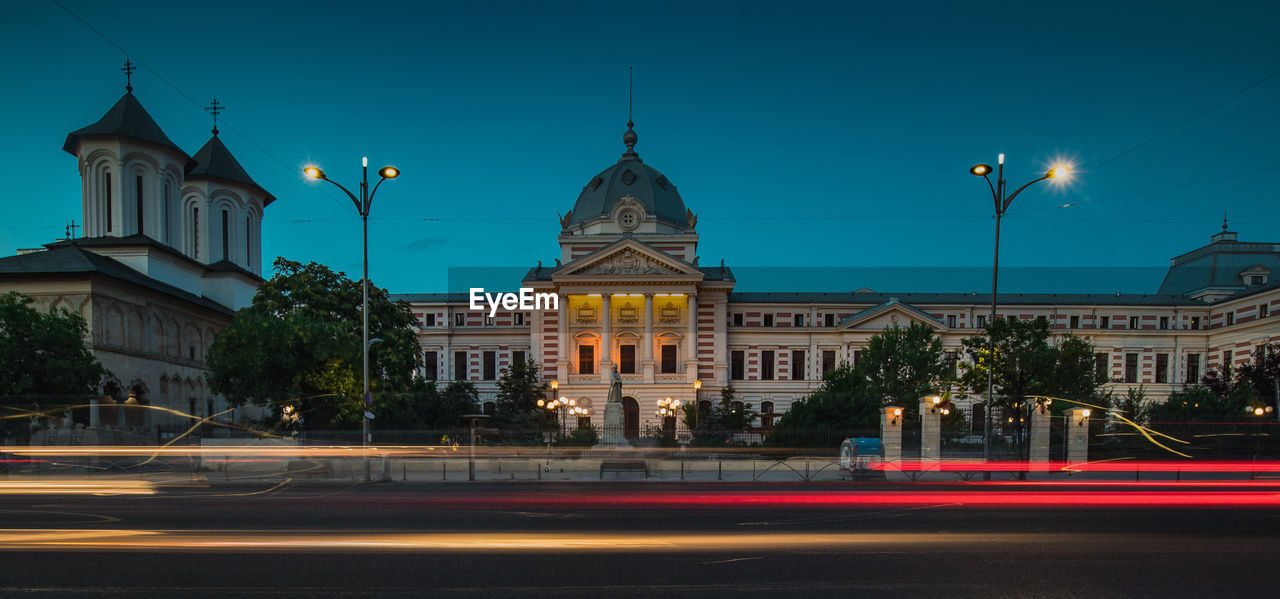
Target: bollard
[(720, 470), (404, 472), (681, 469), (444, 470), (806, 471)]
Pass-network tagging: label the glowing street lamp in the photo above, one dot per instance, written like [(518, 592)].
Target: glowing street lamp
[(363, 204), (1058, 173)]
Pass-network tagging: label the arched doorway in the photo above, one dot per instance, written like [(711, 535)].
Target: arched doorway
[(630, 418)]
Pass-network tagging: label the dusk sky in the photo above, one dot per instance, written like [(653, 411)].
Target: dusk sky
[(802, 134)]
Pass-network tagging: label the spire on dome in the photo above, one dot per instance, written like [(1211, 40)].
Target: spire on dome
[(629, 137)]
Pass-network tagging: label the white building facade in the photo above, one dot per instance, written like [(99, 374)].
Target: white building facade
[(632, 291)]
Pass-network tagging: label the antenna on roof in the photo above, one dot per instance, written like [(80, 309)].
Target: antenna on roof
[(128, 69), (214, 108), (1224, 221), (630, 88)]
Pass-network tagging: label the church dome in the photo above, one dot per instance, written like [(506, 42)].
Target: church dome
[(632, 181)]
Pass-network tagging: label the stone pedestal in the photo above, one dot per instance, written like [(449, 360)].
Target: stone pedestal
[(891, 434), (1038, 443), (614, 424), (930, 432), (1077, 430)]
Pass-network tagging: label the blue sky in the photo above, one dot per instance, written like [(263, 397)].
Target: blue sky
[(807, 134)]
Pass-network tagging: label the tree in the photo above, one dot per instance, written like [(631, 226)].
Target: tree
[(43, 353), (1028, 364), (844, 403), (519, 389), (903, 364), (43, 357), (727, 417), (1135, 406), (299, 344)]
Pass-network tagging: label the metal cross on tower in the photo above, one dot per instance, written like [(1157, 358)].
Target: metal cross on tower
[(214, 108), (128, 69)]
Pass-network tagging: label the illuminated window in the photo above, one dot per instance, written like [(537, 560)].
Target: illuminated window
[(627, 359), (668, 359), (586, 359)]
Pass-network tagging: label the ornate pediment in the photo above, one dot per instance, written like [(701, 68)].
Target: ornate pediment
[(629, 261)]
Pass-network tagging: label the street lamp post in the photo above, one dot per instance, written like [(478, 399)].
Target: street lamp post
[(668, 407), (363, 204), (1002, 203)]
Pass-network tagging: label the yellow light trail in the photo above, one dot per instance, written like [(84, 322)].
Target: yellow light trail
[(257, 540), (77, 487)]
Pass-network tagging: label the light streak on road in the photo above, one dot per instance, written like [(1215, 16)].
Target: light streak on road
[(586, 542), (77, 487)]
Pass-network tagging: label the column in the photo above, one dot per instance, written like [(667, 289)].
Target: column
[(691, 361), (562, 339), (930, 433), (721, 373), (1077, 435), (1039, 437), (891, 436), (606, 337), (646, 363)]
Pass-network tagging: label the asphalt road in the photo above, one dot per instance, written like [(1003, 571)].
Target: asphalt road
[(640, 540)]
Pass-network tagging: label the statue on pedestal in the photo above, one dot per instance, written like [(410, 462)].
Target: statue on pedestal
[(614, 420)]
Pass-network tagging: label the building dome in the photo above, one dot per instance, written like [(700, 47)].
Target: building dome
[(635, 183)]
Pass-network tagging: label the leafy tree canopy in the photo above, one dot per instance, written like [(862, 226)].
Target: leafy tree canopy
[(43, 353), (299, 344)]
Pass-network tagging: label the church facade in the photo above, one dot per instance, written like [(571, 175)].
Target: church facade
[(171, 247), (632, 292)]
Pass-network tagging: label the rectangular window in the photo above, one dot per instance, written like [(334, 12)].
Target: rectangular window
[(109, 215), (737, 361), (1255, 280), (627, 359), (1162, 368), (459, 366), (1131, 368), (517, 357), (1226, 362), (1075, 322), (1231, 318), (1133, 322), (1195, 323), (857, 357), (226, 249), (828, 360), (737, 319), (768, 320), (586, 359), (952, 362), (951, 321), (488, 320), (829, 320), (490, 365), (1193, 369), (797, 365), (164, 214), (1100, 370), (1011, 318), (1164, 323), (982, 322), (766, 365), (140, 214), (459, 319), (1105, 322), (517, 319), (431, 320), (431, 365), (668, 359), (799, 320), (1264, 310)]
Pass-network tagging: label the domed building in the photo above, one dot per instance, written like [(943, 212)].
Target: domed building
[(170, 248), (633, 291)]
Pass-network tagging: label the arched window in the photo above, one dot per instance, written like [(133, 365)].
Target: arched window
[(195, 232), (138, 188), (226, 224), (107, 178)]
